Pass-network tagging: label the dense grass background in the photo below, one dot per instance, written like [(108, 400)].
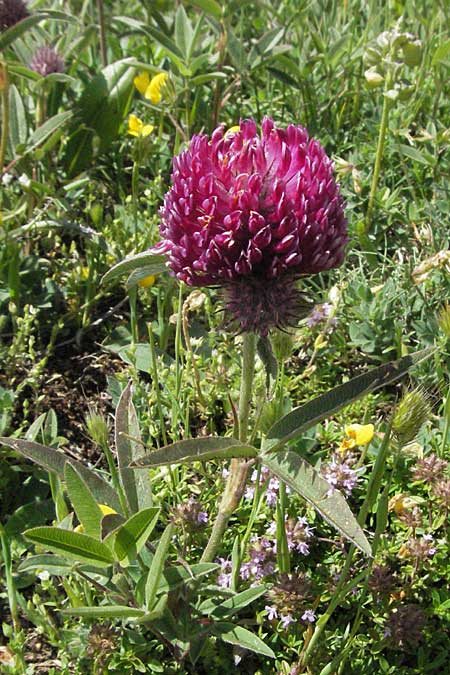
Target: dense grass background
[(79, 194)]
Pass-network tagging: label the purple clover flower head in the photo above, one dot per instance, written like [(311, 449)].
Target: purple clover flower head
[(252, 213), (11, 12), (46, 60)]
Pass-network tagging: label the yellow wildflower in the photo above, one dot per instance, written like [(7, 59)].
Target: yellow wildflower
[(403, 502), (155, 88), (141, 82), (106, 510), (136, 127), (146, 282), (361, 434)]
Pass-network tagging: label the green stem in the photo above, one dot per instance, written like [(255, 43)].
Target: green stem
[(4, 90), (154, 373), (245, 395), (10, 586), (446, 425), (239, 468), (135, 199), (102, 32), (387, 104)]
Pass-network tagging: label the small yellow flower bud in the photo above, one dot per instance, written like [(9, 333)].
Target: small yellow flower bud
[(373, 78), (147, 281)]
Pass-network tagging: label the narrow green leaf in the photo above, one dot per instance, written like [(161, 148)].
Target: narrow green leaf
[(72, 545), (157, 611), (55, 461), (137, 487), (52, 564), (168, 44), (18, 127), (156, 569), (83, 502), (51, 125), (133, 534), (183, 31), (210, 7), (143, 272), (107, 612), (236, 635), (239, 601), (8, 36), (195, 450), (204, 78), (441, 53), (416, 155), (302, 418), (132, 263), (304, 479)]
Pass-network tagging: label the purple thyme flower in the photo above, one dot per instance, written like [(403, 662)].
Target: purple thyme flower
[(11, 12), (339, 473), (271, 612), (297, 534), (273, 485), (286, 620), (46, 60), (252, 213), (224, 578), (319, 314), (308, 615), (262, 554)]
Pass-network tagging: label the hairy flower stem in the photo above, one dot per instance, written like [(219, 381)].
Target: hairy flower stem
[(102, 32), (4, 93), (239, 467), (10, 585), (342, 587), (387, 105)]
